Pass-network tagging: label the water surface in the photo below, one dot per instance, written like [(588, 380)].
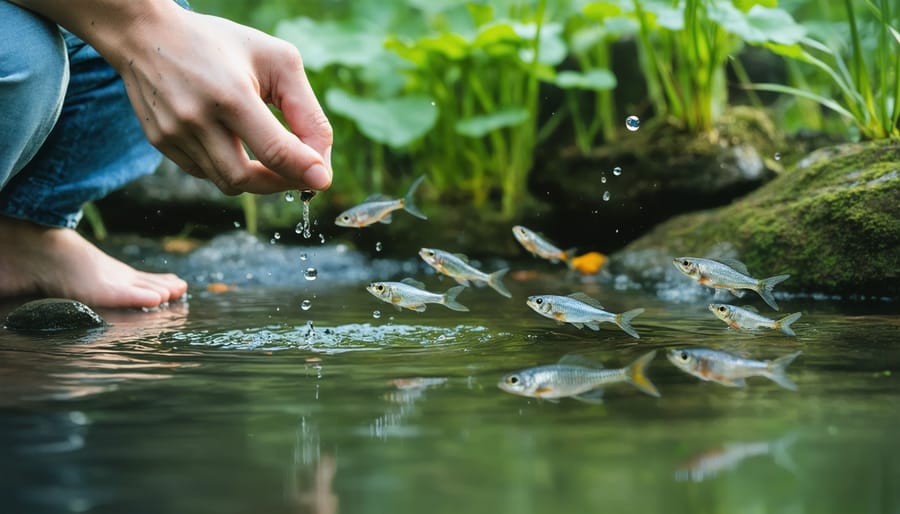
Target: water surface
[(242, 402)]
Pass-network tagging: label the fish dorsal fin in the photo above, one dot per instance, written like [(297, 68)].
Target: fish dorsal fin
[(574, 359), (581, 297), (750, 308), (461, 256), (739, 266), (413, 282), (377, 197)]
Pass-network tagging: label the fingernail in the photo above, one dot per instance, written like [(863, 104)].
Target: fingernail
[(327, 158), (317, 177)]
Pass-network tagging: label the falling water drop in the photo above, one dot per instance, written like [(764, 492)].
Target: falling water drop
[(304, 226), (321, 238), (288, 196), (777, 156), (311, 273), (378, 246), (376, 314), (276, 235), (237, 224), (606, 196), (603, 179), (305, 305), (632, 123), (617, 171), (303, 256)]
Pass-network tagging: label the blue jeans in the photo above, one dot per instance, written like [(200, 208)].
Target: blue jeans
[(68, 133)]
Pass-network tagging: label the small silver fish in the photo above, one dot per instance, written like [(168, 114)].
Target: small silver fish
[(728, 274), (540, 247), (411, 294), (575, 377), (378, 209), (731, 370), (581, 310), (743, 319), (457, 267)]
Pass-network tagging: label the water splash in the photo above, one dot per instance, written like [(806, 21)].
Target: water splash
[(632, 123)]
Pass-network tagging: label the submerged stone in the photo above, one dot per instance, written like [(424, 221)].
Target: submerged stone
[(53, 314), (832, 222)]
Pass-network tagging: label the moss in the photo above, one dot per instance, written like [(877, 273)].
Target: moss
[(833, 223)]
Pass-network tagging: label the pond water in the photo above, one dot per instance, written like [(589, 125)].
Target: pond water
[(243, 402)]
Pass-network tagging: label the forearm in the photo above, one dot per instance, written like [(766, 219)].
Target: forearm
[(114, 28)]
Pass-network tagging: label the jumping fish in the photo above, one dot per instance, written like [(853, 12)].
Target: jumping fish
[(581, 310), (576, 378), (540, 247), (411, 294), (731, 370), (728, 274), (743, 319), (457, 267), (378, 209)]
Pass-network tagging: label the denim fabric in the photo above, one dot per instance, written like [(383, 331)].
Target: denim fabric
[(97, 144)]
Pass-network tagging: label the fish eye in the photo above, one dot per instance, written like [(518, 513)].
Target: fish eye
[(429, 253), (685, 262), (513, 380), (722, 308), (539, 301), (345, 217), (378, 287), (683, 355)]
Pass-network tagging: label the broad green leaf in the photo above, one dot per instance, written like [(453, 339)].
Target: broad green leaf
[(599, 11), (759, 25), (396, 122), (479, 126), (496, 33), (746, 5), (552, 48), (664, 14), (595, 80), (453, 46), (323, 43), (433, 7), (407, 50), (587, 38)]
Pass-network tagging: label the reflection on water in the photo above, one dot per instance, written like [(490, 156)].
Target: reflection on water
[(243, 402)]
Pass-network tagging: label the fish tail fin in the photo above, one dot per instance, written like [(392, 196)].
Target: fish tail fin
[(409, 203), (784, 324), (636, 372), (624, 321), (450, 299), (782, 456), (765, 286), (778, 371), (495, 280)]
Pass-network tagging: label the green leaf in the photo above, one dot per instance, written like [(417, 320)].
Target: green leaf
[(599, 11), (324, 43), (497, 33), (396, 122), (825, 102), (552, 49), (594, 80), (478, 126), (433, 7), (453, 46), (746, 5), (759, 25), (481, 14)]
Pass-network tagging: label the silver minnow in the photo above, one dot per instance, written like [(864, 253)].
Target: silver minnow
[(457, 267), (743, 319), (410, 294), (731, 370), (378, 209), (581, 310), (728, 274)]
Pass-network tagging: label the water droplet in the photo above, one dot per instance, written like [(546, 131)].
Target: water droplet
[(303, 256), (305, 305), (617, 171), (777, 156), (311, 273), (606, 196), (272, 241), (321, 238), (603, 179), (378, 246), (237, 224), (432, 103), (632, 123), (376, 314), (276, 235), (288, 196)]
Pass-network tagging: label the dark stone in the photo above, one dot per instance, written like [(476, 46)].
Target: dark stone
[(53, 314)]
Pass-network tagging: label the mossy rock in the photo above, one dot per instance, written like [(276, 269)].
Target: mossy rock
[(832, 222)]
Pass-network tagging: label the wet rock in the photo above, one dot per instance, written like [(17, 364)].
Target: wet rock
[(664, 172), (53, 314), (832, 222)]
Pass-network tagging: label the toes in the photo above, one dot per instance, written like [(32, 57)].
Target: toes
[(169, 286)]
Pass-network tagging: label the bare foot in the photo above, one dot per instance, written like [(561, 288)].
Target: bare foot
[(59, 262)]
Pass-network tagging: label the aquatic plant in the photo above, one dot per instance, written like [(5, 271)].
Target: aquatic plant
[(685, 46), (861, 64)]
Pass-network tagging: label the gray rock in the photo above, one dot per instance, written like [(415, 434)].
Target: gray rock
[(53, 314)]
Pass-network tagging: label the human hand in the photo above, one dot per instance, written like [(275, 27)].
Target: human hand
[(200, 86)]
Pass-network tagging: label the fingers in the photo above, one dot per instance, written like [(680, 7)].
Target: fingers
[(276, 148)]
